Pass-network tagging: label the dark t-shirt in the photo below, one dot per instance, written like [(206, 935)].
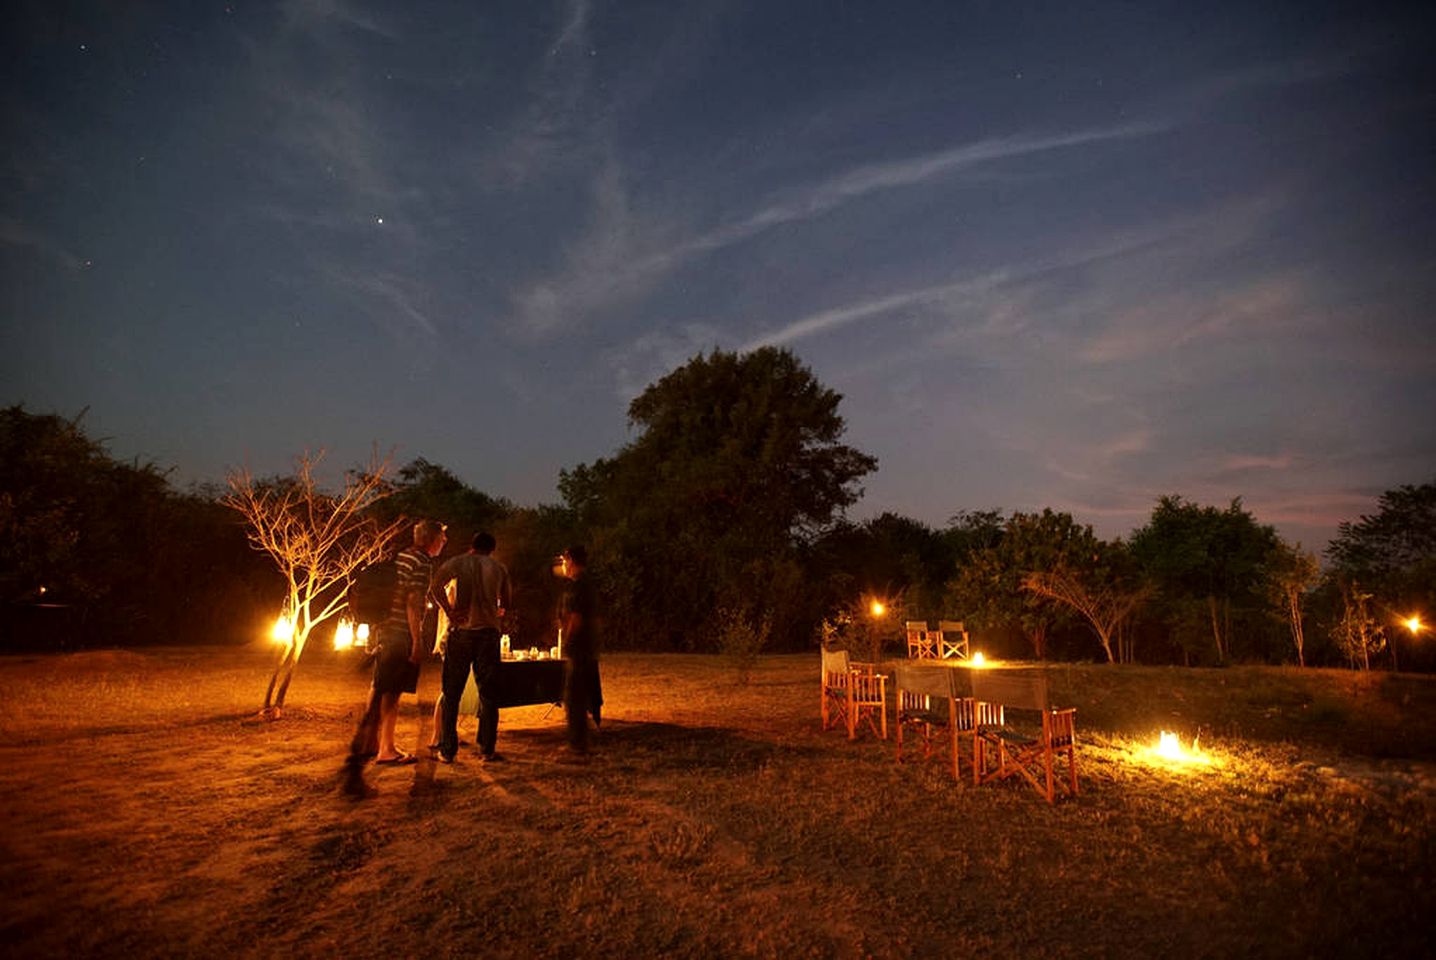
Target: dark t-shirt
[(582, 599)]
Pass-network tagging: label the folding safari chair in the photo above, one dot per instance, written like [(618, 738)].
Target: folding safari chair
[(928, 701), (921, 642), (1032, 752)]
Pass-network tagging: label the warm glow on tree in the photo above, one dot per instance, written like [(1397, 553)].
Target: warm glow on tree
[(318, 541)]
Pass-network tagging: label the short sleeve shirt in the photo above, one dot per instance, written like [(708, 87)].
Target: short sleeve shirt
[(415, 568)]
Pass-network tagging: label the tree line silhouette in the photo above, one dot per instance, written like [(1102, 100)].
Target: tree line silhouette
[(723, 521)]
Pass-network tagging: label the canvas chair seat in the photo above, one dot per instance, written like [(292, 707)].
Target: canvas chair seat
[(1020, 753), (951, 640), (930, 704)]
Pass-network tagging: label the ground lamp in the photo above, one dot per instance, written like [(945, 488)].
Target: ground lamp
[(1170, 752)]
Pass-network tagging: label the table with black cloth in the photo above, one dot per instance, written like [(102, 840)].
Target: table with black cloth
[(521, 683)]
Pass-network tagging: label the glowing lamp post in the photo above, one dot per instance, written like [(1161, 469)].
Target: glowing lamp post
[(1414, 624), (878, 608)]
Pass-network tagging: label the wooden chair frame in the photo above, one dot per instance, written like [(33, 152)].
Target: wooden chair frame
[(921, 642), (1020, 753), (951, 640), (920, 695), (854, 693)]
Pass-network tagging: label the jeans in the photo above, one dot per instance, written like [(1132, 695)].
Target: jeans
[(476, 650), (581, 696)]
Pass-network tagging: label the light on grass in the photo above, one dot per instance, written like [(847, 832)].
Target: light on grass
[(978, 660), (1169, 749)]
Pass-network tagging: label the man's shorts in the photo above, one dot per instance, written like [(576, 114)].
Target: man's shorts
[(393, 672)]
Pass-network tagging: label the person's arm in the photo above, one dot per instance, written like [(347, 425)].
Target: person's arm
[(415, 609), (439, 589)]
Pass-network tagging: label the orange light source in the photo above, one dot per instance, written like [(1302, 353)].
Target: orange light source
[(344, 635), (978, 660), (1169, 750), (878, 608), (283, 630), (1414, 624)]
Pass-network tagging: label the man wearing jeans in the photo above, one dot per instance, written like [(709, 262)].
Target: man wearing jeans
[(481, 595)]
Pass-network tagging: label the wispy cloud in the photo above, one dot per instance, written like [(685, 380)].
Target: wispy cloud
[(804, 203), (16, 234), (621, 253), (548, 128), (597, 270)]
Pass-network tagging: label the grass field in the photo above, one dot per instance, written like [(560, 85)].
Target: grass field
[(146, 814)]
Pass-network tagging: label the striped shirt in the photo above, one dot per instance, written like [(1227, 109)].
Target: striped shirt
[(415, 567)]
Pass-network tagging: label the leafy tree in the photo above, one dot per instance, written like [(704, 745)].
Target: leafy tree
[(736, 467), (972, 531), (425, 489), (94, 550), (1391, 555), (1359, 633), (1203, 558), (989, 588), (317, 540)]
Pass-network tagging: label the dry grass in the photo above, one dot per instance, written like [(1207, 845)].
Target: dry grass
[(145, 815)]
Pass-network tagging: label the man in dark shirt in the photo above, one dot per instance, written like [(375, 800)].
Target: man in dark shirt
[(581, 690)]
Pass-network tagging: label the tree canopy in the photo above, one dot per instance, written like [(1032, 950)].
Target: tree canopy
[(737, 464), (1206, 563)]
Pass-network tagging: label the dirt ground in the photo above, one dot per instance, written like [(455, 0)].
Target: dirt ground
[(147, 814)]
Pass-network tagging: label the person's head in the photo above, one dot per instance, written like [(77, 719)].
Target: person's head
[(484, 542), (429, 536), (575, 558)]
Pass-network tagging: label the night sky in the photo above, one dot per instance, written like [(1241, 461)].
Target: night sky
[(1074, 255)]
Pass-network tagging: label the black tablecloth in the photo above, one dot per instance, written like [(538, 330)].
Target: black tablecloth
[(523, 682)]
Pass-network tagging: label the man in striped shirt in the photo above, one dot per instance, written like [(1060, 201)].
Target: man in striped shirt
[(401, 650)]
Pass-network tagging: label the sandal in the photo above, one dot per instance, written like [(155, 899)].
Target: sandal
[(399, 760)]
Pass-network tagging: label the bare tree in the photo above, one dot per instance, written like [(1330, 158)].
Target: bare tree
[(1105, 601), (1292, 571), (318, 540)]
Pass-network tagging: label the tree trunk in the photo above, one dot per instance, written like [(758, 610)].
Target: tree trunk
[(293, 661), (1216, 628), (1106, 646), (1039, 641), (279, 664), (1294, 599)]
